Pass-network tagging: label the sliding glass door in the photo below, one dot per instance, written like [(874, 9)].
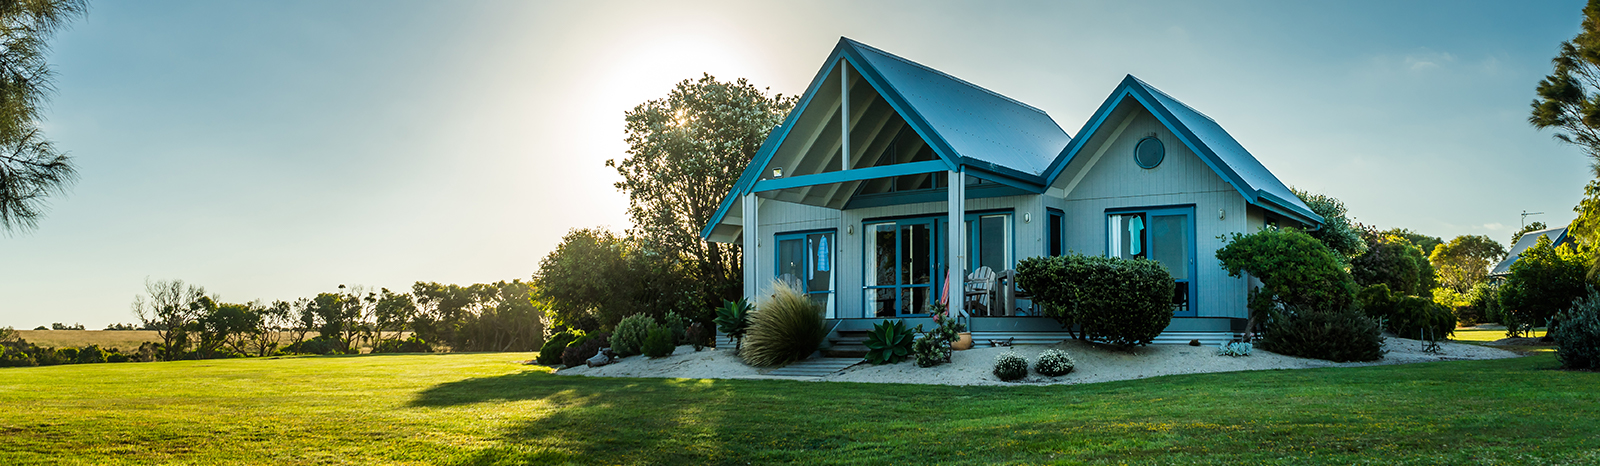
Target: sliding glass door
[(1165, 235), (901, 266)]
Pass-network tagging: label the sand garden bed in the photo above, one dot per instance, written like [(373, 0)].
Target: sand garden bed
[(972, 367)]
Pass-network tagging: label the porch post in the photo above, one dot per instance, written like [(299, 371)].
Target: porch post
[(957, 261), (752, 233)]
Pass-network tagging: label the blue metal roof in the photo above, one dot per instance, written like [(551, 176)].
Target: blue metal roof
[(977, 123), (1558, 236), (1206, 138)]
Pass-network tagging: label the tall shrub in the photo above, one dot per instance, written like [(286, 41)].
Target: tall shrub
[(1295, 270), (1118, 301), (1578, 334), (1542, 282), (1392, 260), (787, 328), (1408, 316), (1338, 335), (630, 334)]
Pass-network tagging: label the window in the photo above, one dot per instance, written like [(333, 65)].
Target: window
[(1054, 231), (1165, 235), (807, 260), (989, 241), (901, 266)]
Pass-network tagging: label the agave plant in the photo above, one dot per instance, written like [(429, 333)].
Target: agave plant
[(890, 342), (733, 318)]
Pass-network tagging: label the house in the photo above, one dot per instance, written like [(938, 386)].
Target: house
[(890, 181), (1558, 236)]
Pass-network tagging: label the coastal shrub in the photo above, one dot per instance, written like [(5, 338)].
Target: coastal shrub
[(583, 348), (550, 352), (1118, 301), (412, 344), (89, 355), (931, 350), (676, 324), (1295, 271), (733, 319), (658, 342), (787, 328), (1009, 366), (1340, 335), (1578, 334), (1394, 261), (630, 334), (1407, 316), (1235, 349), (1054, 363), (889, 342), (317, 345), (117, 357), (1545, 280)]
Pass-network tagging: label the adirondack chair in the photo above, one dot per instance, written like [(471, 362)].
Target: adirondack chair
[(978, 292)]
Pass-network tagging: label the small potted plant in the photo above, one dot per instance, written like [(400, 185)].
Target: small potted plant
[(950, 326)]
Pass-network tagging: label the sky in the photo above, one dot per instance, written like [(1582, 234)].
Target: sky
[(275, 150)]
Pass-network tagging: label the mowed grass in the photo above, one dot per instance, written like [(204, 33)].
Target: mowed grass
[(486, 409)]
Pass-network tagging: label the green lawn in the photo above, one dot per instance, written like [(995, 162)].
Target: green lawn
[(484, 409)]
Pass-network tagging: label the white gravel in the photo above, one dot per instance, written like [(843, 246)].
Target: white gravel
[(973, 367)]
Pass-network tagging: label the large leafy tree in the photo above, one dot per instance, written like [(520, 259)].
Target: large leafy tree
[(1569, 98), (1338, 232), (1545, 280), (1464, 262), (685, 152), (31, 168), (1393, 260)]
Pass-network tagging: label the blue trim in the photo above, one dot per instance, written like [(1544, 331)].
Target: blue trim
[(858, 174), (861, 201), (869, 292)]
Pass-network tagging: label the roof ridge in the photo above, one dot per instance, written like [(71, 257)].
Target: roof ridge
[(947, 75), (1174, 99)]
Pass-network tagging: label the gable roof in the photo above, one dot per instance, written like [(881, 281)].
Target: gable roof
[(966, 125), (1205, 138), (1558, 236)]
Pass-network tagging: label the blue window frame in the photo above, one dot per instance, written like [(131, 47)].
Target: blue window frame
[(1055, 232), (807, 259), (1162, 234), (902, 259)]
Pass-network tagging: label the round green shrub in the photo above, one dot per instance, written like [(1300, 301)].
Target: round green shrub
[(1577, 333), (1054, 363), (658, 342), (1295, 269), (1392, 260), (1341, 335), (1009, 366), (931, 351), (787, 327), (550, 352), (1118, 301), (630, 334)]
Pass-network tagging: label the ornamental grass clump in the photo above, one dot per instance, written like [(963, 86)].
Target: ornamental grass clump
[(787, 328), (630, 334), (1009, 366), (1054, 363)]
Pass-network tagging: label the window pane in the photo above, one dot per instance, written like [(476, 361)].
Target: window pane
[(819, 254), (993, 242), (1055, 235), (916, 245), (1169, 238), (883, 244), (883, 302), (1128, 233), (914, 300), (791, 260)]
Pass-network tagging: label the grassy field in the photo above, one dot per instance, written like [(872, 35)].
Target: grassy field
[(126, 340), (486, 409)]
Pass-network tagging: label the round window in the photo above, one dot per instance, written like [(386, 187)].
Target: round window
[(1149, 152)]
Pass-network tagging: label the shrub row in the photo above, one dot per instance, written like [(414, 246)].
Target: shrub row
[(1111, 300)]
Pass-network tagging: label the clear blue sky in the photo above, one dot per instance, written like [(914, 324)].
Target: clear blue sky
[(272, 150)]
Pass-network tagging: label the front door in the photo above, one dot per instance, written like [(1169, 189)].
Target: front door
[(901, 267)]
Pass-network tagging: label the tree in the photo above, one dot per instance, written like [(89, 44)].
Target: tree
[(1464, 262), (1392, 260), (1543, 281), (31, 168), (586, 281), (168, 310), (1569, 98), (392, 311), (685, 153), (1338, 232), (1532, 227), (1424, 242)]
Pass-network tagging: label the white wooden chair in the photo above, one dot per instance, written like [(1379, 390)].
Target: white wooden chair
[(978, 299)]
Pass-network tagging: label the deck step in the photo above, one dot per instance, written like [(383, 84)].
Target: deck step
[(815, 367)]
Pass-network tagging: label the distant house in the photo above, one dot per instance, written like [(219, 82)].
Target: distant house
[(1558, 236), (890, 181)]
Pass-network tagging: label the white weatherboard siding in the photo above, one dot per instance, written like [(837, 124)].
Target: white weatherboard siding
[(1116, 181)]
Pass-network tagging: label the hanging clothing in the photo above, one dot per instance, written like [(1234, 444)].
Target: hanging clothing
[(822, 254), (1135, 236)]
